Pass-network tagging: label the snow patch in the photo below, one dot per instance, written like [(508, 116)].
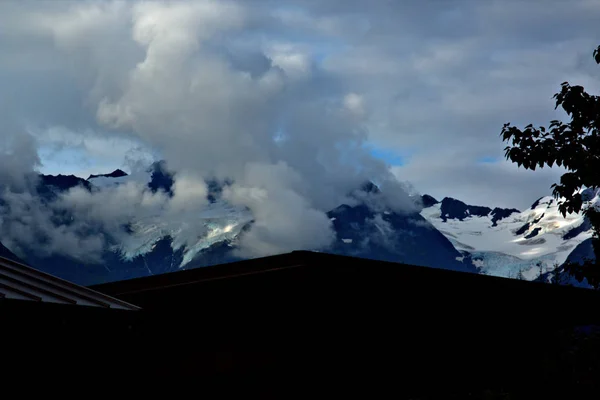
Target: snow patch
[(221, 222)]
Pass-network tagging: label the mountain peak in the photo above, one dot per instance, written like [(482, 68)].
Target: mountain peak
[(428, 200), (161, 178), (500, 213), (456, 209), (370, 187), (62, 182), (117, 173)]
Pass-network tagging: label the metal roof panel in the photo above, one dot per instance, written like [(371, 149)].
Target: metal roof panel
[(19, 281)]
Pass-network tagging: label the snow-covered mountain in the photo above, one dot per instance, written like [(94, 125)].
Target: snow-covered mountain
[(154, 244), (448, 234), (508, 242), (222, 222)]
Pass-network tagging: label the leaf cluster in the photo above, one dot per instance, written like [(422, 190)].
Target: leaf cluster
[(575, 146)]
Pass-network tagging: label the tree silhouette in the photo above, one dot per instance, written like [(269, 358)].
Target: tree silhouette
[(540, 267), (575, 146)]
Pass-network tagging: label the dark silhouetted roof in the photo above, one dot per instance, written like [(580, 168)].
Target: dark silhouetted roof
[(21, 282)]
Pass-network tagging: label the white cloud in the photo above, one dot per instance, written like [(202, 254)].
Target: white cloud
[(189, 193), (293, 61), (19, 156), (284, 219), (208, 84), (466, 186), (355, 104)]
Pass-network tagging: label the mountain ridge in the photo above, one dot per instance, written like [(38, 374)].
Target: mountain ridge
[(526, 242), (379, 234), (448, 234), (118, 173)]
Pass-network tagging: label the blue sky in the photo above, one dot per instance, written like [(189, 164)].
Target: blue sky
[(389, 156), (489, 160), (80, 162)]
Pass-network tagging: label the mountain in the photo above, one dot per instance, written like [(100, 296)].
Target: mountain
[(49, 186), (446, 234), (115, 174), (155, 246), (506, 242), (428, 201), (455, 209), (388, 236), (160, 178)]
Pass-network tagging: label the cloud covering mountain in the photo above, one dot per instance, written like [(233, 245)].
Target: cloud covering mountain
[(285, 99)]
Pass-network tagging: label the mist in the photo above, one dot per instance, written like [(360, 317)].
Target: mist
[(162, 74)]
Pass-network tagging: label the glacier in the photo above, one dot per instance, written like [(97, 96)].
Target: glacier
[(528, 242), (192, 231)]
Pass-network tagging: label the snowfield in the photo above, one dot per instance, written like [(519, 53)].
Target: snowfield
[(221, 223), (519, 242)]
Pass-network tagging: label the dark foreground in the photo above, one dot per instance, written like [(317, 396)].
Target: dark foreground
[(307, 324)]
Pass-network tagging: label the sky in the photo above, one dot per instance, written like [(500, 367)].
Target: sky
[(289, 96)]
